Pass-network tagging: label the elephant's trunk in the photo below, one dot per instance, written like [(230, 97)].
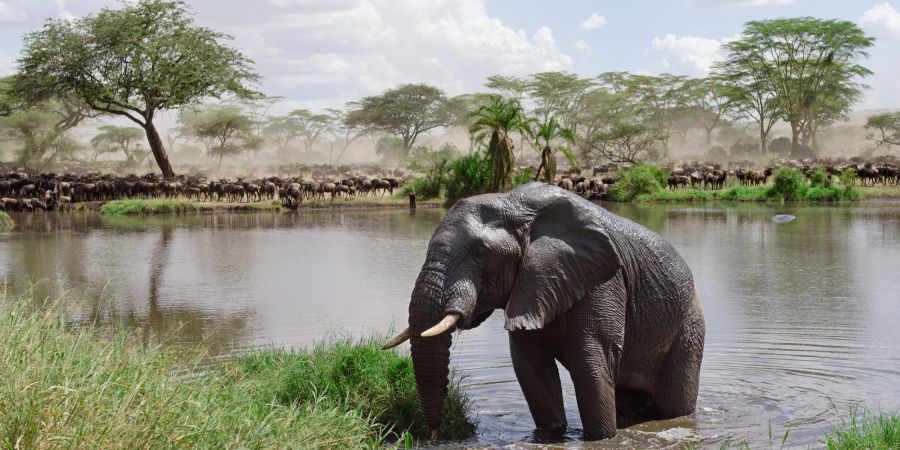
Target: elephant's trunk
[(431, 355)]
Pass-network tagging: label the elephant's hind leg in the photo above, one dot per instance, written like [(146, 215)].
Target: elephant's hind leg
[(535, 365), (679, 378)]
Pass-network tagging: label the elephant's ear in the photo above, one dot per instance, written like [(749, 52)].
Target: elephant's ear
[(567, 253)]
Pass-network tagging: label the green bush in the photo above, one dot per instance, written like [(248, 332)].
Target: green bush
[(788, 184), (6, 222), (820, 178), (848, 177), (469, 175), (523, 177), (637, 181)]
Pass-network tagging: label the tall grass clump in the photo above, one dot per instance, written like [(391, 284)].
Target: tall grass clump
[(6, 222), (83, 386), (637, 181), (140, 206), (865, 430), (788, 184), (360, 376), (469, 175)]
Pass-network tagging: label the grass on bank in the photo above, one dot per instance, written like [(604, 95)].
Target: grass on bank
[(6, 222), (865, 430), (86, 386), (646, 184), (151, 206)]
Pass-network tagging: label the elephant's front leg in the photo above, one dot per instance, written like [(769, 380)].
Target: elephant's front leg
[(595, 391), (535, 365)]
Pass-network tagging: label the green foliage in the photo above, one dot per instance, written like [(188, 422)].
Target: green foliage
[(224, 130), (41, 133), (405, 111), (94, 388), (521, 178), (358, 376), (434, 167), (884, 128), (803, 70), (788, 184), (133, 61), (6, 222), (469, 175), (865, 430), (820, 178), (624, 143), (139, 206), (637, 181), (495, 120), (114, 139), (848, 177)]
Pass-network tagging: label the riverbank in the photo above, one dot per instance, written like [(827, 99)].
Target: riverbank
[(6, 222), (79, 385), (163, 206)]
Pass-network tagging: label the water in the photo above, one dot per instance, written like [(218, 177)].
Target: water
[(799, 314)]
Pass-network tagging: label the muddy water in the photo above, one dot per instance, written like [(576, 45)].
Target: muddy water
[(798, 315)]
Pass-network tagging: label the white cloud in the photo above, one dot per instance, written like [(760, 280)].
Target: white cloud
[(9, 13), (718, 3), (593, 22), (693, 54), (584, 50), (882, 20), (350, 48)]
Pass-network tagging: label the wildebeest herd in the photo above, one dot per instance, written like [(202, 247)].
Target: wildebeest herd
[(22, 190)]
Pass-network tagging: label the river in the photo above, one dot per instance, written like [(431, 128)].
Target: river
[(801, 316)]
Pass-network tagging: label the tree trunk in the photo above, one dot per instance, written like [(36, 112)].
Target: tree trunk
[(159, 151), (762, 139), (708, 137), (795, 136)]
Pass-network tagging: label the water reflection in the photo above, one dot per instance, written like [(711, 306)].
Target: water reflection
[(797, 313)]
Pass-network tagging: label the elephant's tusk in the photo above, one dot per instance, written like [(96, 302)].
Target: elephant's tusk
[(442, 326), (396, 340)]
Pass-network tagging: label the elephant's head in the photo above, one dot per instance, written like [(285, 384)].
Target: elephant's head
[(533, 252)]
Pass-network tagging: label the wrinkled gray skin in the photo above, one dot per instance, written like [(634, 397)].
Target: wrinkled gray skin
[(609, 299)]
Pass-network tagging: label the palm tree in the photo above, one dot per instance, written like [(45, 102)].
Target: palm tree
[(497, 118), (545, 133)]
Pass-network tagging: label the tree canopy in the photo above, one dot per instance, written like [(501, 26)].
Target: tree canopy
[(406, 111), (134, 61)]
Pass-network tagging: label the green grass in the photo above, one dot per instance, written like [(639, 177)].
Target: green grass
[(751, 194), (865, 430), (138, 206), (85, 386), (6, 222)]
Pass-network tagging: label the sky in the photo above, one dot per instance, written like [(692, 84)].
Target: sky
[(323, 53)]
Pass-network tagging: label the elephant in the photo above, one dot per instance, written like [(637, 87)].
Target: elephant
[(609, 299)]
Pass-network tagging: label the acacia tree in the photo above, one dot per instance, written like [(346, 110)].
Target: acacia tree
[(658, 100), (807, 65), (224, 131), (622, 143), (406, 111), (559, 94), (708, 101), (134, 61), (345, 130), (884, 128), (497, 118), (750, 98), (114, 139)]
